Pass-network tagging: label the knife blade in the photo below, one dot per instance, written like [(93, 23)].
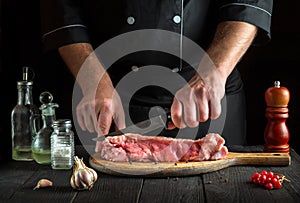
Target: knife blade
[(142, 128)]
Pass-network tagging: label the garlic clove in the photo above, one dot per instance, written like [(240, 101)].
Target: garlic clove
[(94, 173), (43, 183), (85, 176), (82, 179)]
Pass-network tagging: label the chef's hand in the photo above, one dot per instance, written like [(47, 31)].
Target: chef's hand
[(97, 113), (198, 100), (101, 104)]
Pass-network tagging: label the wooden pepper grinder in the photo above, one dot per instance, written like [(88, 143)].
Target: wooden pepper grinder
[(276, 133)]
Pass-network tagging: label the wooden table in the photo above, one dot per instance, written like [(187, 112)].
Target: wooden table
[(17, 180)]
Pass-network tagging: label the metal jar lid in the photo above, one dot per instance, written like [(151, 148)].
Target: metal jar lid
[(62, 122)]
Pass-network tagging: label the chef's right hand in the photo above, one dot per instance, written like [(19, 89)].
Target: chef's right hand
[(97, 113), (101, 104)]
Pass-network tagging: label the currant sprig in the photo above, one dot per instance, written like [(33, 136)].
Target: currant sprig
[(268, 179)]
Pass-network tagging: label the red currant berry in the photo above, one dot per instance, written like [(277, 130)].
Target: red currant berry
[(268, 180), (255, 180), (270, 174), (269, 186), (263, 178), (276, 176), (256, 175), (274, 180), (277, 185), (263, 172)]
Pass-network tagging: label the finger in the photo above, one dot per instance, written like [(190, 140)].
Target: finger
[(89, 117), (202, 106), (104, 120), (190, 113), (98, 147), (119, 119), (215, 108), (80, 117), (90, 121), (176, 114), (86, 117)]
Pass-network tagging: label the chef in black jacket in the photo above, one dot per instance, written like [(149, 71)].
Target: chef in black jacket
[(224, 29)]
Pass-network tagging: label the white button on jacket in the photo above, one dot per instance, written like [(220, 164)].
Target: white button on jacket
[(177, 19), (130, 20)]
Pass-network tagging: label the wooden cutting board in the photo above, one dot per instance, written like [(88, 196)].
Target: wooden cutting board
[(165, 169)]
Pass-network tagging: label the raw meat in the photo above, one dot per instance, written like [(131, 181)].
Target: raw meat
[(134, 147)]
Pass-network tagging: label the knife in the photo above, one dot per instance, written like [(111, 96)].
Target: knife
[(142, 127)]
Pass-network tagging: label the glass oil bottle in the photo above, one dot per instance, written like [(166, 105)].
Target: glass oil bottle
[(41, 147), (23, 117)]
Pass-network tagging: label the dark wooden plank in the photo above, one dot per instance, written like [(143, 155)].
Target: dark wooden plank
[(290, 192), (173, 189), (17, 180), (239, 148), (108, 188), (13, 175), (222, 186), (233, 185), (61, 191), (112, 189)]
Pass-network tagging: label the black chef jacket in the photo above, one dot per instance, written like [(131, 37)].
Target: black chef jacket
[(94, 21)]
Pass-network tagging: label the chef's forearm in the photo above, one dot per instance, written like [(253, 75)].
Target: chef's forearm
[(231, 41), (74, 55), (84, 66)]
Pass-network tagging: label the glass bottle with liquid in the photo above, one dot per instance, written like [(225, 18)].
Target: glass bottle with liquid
[(62, 145), (24, 124), (41, 147)]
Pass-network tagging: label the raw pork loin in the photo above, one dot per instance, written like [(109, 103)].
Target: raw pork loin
[(134, 147)]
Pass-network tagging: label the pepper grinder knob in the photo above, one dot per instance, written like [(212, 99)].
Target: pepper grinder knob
[(276, 133)]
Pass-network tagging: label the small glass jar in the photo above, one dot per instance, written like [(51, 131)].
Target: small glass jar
[(62, 145)]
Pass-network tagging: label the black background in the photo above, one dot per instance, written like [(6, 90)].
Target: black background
[(260, 67)]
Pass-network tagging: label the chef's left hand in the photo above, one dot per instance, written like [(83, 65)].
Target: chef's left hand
[(199, 100)]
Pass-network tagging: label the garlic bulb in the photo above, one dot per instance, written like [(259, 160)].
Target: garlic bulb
[(83, 177)]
